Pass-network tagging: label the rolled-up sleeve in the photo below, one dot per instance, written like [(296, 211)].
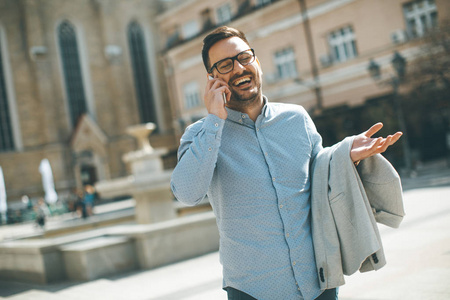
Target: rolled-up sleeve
[(197, 157)]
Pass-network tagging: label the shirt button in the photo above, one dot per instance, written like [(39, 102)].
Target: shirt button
[(281, 205), (294, 263), (287, 234), (298, 289), (243, 116), (273, 178), (257, 129), (217, 124), (265, 153), (240, 121), (209, 149), (296, 283)]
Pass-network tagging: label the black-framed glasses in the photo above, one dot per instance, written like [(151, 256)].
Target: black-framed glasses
[(226, 65)]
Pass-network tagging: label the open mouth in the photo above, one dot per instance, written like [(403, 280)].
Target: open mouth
[(242, 81)]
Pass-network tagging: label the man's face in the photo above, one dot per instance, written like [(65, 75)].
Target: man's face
[(241, 90)]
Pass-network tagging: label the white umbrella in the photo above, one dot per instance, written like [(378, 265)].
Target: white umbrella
[(47, 181), (3, 204)]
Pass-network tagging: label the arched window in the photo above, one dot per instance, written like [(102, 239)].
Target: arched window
[(141, 74), (72, 71), (6, 132)]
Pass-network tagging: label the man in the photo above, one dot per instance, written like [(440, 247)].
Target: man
[(252, 158)]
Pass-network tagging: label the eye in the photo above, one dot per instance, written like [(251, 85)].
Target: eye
[(223, 66), (245, 58)]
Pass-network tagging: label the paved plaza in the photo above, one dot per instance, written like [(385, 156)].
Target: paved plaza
[(418, 267)]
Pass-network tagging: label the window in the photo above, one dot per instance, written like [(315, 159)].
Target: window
[(173, 38), (190, 29), (141, 73), (73, 78), (285, 63), (420, 16), (206, 19), (224, 14), (342, 44), (262, 2), (191, 95), (6, 133)]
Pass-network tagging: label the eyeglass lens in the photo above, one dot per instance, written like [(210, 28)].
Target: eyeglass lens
[(244, 58)]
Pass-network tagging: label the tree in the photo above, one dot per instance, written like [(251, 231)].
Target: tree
[(432, 67), (427, 105)]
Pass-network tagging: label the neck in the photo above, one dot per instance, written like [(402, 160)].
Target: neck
[(252, 108)]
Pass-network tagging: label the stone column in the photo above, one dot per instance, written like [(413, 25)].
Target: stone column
[(151, 184)]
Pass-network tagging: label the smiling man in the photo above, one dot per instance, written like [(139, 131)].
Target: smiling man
[(253, 159)]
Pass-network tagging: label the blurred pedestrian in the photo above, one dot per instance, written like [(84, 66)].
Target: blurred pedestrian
[(27, 202), (42, 212), (80, 205), (89, 198)]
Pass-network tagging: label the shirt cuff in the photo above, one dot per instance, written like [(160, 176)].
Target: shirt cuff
[(214, 124)]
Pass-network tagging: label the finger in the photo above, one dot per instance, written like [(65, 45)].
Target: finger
[(390, 140), (374, 129), (228, 93), (396, 137), (224, 90), (218, 83), (374, 147), (209, 82), (385, 144)]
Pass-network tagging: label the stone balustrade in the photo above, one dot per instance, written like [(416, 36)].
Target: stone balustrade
[(151, 245)]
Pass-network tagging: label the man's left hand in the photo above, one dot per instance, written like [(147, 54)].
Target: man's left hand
[(365, 146)]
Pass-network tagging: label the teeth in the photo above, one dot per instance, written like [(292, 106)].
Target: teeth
[(241, 80)]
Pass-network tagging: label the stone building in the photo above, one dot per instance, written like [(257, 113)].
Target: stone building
[(73, 76), (314, 53)]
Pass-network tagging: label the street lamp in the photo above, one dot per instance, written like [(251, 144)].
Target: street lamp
[(399, 65), (374, 70)]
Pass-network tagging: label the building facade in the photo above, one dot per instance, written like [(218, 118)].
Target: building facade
[(314, 53), (73, 76)]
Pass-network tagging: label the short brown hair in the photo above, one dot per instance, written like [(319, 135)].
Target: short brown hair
[(219, 34)]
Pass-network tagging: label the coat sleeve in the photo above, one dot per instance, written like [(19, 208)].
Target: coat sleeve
[(197, 157), (384, 190)]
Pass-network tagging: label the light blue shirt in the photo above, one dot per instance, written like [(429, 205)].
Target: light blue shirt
[(257, 178)]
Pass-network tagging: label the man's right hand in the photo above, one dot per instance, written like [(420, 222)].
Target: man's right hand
[(213, 97)]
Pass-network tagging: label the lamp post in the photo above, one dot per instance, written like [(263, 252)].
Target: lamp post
[(312, 55), (399, 65)]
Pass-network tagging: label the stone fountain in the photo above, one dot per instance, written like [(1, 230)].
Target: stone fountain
[(149, 183), (159, 237)]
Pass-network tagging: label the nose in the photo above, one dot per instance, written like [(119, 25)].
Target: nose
[(238, 67)]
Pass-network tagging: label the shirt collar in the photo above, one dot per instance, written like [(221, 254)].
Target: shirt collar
[(240, 117)]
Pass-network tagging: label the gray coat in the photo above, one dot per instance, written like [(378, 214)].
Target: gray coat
[(346, 203)]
